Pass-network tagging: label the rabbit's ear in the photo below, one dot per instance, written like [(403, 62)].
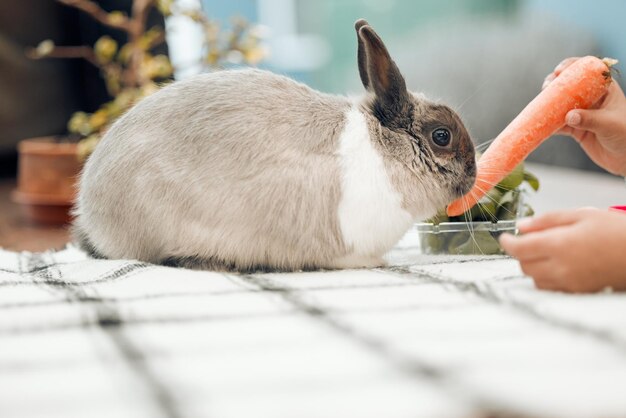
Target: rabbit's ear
[(361, 56), (383, 76)]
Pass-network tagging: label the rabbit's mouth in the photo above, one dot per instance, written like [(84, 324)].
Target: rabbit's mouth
[(469, 177), (460, 191), (466, 183)]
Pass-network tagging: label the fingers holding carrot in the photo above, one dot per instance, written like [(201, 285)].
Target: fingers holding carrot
[(601, 130), (597, 121), (558, 70), (572, 119), (579, 85)]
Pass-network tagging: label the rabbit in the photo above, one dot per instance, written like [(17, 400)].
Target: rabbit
[(245, 170)]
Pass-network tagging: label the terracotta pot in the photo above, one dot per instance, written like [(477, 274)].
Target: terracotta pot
[(47, 175)]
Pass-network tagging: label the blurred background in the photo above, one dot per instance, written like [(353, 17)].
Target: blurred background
[(486, 58)]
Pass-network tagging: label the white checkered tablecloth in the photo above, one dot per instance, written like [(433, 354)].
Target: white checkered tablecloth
[(425, 337)]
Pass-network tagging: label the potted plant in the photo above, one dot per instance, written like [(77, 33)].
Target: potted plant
[(48, 167)]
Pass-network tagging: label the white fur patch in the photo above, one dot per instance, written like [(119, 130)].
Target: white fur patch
[(371, 216)]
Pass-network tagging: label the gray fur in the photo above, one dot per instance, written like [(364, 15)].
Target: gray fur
[(179, 164), (238, 170)]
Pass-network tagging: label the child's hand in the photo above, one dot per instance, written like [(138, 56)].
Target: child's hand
[(601, 131), (580, 250)]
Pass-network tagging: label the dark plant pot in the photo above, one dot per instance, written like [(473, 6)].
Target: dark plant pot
[(47, 174)]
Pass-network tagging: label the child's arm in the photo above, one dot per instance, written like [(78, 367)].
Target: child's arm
[(573, 251), (601, 131)]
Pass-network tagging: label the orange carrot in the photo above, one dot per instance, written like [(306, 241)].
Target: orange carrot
[(579, 86)]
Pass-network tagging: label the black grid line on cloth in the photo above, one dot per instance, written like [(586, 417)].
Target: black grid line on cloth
[(145, 321), (40, 264), (221, 317), (42, 269), (87, 299), (37, 264), (487, 293), (110, 322), (31, 263), (410, 366)]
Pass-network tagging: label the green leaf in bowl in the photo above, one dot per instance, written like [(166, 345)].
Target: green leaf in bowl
[(486, 208), (507, 209), (514, 179), (532, 180), (481, 243)]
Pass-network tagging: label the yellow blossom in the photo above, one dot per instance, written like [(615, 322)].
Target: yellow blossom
[(116, 17), (105, 49), (98, 119), (79, 123)]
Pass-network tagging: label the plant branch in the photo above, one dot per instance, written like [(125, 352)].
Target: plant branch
[(120, 22), (84, 52), (137, 26), (157, 40)]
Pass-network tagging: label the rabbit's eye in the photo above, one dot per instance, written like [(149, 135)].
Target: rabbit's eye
[(441, 137)]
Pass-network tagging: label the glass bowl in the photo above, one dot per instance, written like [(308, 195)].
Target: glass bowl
[(467, 238)]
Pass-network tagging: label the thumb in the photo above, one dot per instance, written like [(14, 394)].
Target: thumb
[(593, 120)]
